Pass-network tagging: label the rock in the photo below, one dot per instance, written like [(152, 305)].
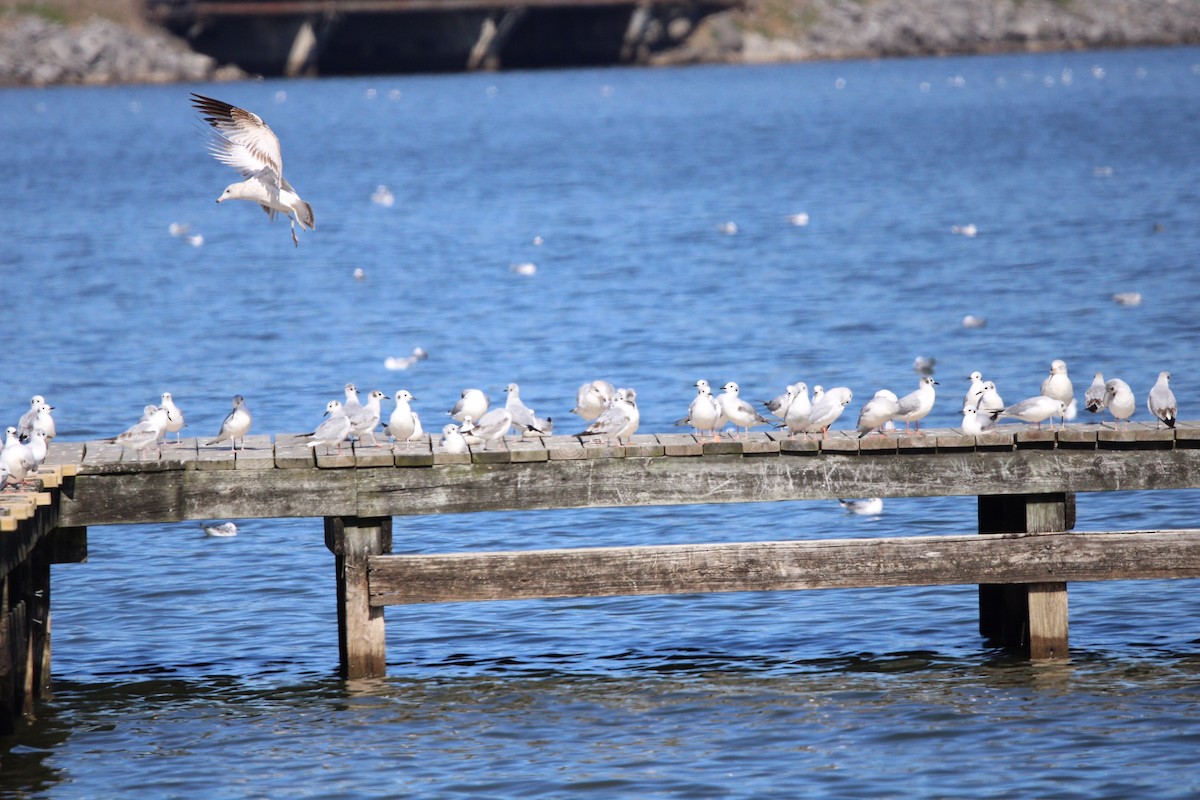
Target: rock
[(34, 51)]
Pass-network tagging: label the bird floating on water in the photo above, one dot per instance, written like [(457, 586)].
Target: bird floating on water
[(243, 141), (222, 531)]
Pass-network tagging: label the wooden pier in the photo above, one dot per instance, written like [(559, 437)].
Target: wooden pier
[(1025, 481), (309, 37)]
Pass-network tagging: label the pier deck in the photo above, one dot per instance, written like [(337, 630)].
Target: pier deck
[(1025, 481)]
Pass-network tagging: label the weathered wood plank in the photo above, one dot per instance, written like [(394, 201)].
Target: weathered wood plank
[(774, 566), (626, 482), (292, 451), (257, 453), (1047, 609), (362, 635)]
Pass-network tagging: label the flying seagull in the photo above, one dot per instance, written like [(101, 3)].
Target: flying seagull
[(243, 141)]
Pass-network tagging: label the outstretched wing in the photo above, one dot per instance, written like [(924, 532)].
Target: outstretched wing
[(240, 138)]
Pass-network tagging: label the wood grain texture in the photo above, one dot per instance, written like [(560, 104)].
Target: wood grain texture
[(1037, 558)]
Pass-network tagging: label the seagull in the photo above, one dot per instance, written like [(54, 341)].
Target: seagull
[(25, 425), (1093, 398), (778, 405), (704, 414), (490, 427), (146, 432), (740, 413), (1058, 386), (452, 440), (620, 421), (367, 418), (418, 432), (524, 420), (990, 403), (175, 421), (974, 423), (796, 418), (1034, 410), (877, 412), (352, 405), (975, 391), (827, 408), (472, 403), (333, 430), (1119, 400), (37, 446), (222, 531), (1161, 401), (915, 406), (243, 141), (868, 507), (593, 398), (16, 456), (401, 423), (235, 425)]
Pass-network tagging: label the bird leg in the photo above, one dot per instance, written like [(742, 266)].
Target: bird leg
[(295, 240)]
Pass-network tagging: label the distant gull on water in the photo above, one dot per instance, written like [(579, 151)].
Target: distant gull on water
[(243, 141)]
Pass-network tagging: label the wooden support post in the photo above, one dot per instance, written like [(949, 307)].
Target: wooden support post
[(1030, 618), (362, 644)]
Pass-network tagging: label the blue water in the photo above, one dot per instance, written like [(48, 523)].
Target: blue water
[(187, 666)]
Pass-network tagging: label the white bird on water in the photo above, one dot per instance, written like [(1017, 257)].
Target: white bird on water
[(243, 141), (867, 507), (223, 531), (1119, 400), (1161, 401), (235, 425)]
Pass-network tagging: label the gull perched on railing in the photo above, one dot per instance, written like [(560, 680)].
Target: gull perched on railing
[(243, 141)]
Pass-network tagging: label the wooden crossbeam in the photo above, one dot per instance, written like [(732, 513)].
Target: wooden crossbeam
[(772, 566)]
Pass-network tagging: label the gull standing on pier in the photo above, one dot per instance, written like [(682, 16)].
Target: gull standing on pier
[(779, 404), (235, 425), (175, 421), (367, 418), (915, 406), (38, 416), (1093, 398), (16, 456), (1034, 410), (524, 420), (147, 432), (990, 402), (334, 430), (491, 427), (620, 421), (974, 423), (877, 412), (1119, 400), (351, 405), (975, 391), (1058, 385), (799, 411), (452, 440), (401, 424), (472, 403), (739, 413), (827, 407), (1161, 401), (593, 398), (704, 414), (243, 141)]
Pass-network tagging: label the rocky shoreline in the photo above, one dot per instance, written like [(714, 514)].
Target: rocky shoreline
[(36, 52)]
